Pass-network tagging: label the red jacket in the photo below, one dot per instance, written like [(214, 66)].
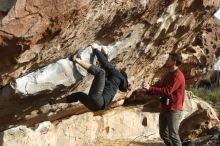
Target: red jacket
[(173, 87)]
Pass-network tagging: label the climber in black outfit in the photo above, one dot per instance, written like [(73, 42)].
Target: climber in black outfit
[(107, 80)]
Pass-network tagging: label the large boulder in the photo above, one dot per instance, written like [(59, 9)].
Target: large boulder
[(37, 36), (131, 124)]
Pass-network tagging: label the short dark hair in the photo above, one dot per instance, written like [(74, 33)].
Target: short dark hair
[(176, 57)]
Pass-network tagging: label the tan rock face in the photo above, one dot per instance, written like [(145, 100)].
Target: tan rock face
[(133, 125), (86, 129), (37, 33), (200, 121)]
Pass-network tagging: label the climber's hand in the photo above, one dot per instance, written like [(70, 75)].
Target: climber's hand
[(76, 58), (141, 90)]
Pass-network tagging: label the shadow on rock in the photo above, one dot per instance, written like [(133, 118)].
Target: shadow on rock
[(151, 103)]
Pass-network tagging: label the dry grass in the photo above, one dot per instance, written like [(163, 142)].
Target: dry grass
[(210, 95)]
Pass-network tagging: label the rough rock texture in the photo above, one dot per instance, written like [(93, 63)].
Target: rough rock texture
[(63, 72), (50, 30), (210, 140), (87, 129), (36, 36), (122, 125), (201, 121)]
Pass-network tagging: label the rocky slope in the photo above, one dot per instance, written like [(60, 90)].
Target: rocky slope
[(37, 35)]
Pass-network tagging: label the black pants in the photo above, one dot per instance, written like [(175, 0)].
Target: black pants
[(94, 100)]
